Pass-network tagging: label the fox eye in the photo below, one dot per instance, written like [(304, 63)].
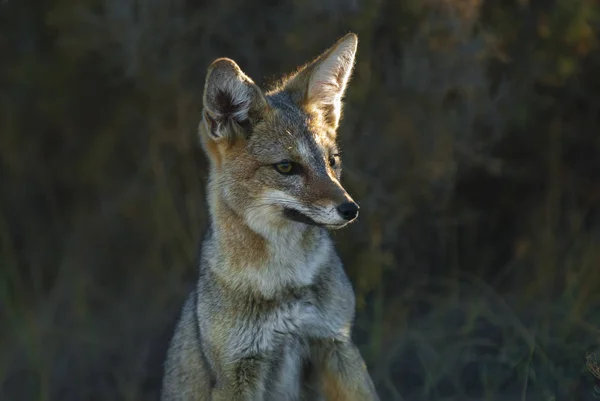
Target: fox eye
[(286, 167), (333, 160)]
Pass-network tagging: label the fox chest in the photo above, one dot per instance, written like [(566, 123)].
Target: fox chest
[(267, 331), (278, 337)]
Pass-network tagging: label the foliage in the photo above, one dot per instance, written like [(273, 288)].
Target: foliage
[(470, 139)]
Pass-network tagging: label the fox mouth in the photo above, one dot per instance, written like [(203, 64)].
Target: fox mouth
[(295, 215)]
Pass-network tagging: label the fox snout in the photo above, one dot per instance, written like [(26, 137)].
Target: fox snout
[(332, 217), (344, 205), (321, 202)]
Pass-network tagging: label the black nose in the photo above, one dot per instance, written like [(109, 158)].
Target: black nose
[(348, 210)]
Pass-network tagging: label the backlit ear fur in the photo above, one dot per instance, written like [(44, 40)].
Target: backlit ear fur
[(232, 101), (322, 83)]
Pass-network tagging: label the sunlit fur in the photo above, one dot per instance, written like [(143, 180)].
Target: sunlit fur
[(272, 312)]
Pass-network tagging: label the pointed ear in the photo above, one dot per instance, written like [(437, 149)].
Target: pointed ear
[(323, 82), (233, 103)]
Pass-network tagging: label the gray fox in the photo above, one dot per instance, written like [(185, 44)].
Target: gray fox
[(272, 311)]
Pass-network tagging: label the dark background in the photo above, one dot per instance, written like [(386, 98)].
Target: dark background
[(470, 139)]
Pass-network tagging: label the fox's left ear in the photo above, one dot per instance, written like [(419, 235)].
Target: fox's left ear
[(322, 83)]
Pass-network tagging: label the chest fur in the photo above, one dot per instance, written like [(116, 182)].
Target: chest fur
[(264, 328)]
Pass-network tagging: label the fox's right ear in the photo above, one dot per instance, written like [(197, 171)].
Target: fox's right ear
[(233, 103)]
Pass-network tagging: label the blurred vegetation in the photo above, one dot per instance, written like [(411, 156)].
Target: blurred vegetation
[(470, 139)]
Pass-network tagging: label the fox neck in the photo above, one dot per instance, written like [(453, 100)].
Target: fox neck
[(245, 259)]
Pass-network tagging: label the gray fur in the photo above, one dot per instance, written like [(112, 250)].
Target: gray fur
[(270, 318)]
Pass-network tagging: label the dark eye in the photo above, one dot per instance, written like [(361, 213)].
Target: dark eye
[(286, 167), (333, 160)]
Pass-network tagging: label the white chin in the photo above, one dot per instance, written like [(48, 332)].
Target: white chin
[(335, 226)]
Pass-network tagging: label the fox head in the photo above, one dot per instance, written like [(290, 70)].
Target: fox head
[(274, 158)]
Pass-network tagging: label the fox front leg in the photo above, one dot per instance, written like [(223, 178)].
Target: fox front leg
[(342, 371), (244, 380)]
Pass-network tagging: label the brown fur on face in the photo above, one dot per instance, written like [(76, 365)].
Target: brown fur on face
[(244, 170)]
